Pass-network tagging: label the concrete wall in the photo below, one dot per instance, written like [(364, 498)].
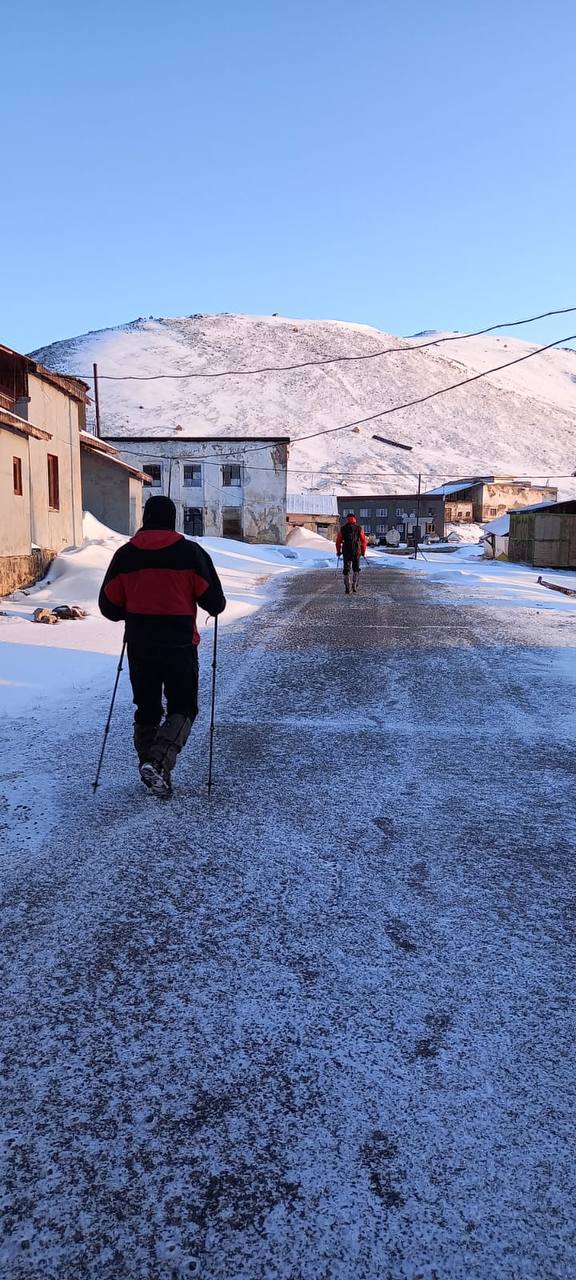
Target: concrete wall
[(54, 411), (400, 510), (110, 493), (458, 512), (15, 522), (260, 499), (326, 526)]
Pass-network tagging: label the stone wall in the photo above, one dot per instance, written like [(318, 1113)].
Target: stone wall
[(23, 571)]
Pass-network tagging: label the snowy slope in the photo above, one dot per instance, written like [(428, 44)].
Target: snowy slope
[(522, 421)]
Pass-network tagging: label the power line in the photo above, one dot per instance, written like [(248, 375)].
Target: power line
[(408, 404), (382, 413), (448, 476), (310, 364)]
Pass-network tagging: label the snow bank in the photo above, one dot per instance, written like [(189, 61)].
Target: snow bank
[(469, 533), (490, 582)]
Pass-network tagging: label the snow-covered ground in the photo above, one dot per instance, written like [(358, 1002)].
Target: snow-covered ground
[(483, 581), (40, 661)]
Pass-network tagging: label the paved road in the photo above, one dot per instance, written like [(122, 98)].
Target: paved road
[(322, 1027)]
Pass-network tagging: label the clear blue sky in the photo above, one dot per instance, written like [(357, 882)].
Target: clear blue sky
[(405, 165)]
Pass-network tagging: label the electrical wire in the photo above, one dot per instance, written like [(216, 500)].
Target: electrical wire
[(310, 364), (408, 404), (441, 476)]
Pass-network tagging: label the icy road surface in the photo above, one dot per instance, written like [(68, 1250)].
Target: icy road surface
[(322, 1026)]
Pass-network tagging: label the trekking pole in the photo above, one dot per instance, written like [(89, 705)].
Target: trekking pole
[(119, 668), (214, 651)]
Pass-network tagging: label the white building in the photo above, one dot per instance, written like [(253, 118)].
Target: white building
[(223, 486)]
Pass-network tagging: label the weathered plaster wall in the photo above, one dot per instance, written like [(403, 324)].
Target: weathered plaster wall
[(54, 411), (260, 499), (15, 524)]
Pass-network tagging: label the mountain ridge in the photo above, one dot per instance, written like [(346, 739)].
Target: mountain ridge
[(517, 421)]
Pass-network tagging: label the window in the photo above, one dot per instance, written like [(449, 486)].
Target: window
[(381, 528), (154, 470), (17, 474), (231, 478), (193, 522), (231, 522), (381, 511), (493, 511), (53, 485), (364, 511), (192, 475)]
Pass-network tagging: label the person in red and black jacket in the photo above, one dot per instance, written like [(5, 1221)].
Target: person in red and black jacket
[(153, 585), (351, 543)]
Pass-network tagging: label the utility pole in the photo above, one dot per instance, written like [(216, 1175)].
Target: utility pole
[(96, 399), (418, 517)]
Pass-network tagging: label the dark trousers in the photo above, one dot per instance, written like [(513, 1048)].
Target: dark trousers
[(353, 563), (169, 670)]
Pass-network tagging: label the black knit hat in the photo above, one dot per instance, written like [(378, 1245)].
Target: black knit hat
[(159, 513)]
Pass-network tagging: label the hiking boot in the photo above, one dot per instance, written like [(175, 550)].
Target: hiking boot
[(355, 582), (157, 780)]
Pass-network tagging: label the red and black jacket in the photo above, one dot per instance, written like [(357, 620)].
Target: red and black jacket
[(154, 583)]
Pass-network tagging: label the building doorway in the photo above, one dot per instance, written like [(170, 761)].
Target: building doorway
[(232, 522), (193, 521)]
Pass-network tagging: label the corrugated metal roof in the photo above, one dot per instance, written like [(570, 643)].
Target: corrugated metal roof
[(317, 504), (569, 506), (445, 489)]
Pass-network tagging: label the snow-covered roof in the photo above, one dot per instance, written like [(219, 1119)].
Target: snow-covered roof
[(500, 526), (319, 504), (445, 489), (15, 423)]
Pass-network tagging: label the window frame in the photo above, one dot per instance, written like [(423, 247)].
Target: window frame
[(17, 484), (194, 466), (53, 482), (157, 466), (235, 483)]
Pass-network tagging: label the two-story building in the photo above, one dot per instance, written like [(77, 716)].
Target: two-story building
[(222, 486), (379, 513), (51, 470), (481, 498), (41, 415)]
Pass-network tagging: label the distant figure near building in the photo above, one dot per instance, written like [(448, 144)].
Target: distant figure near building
[(351, 543)]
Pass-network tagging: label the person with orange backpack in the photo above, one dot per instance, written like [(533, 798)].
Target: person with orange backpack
[(351, 543)]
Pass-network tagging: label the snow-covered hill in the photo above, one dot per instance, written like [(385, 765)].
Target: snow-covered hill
[(521, 421)]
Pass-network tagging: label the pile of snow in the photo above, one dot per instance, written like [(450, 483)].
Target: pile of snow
[(465, 533), (307, 538), (37, 659), (521, 421)]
